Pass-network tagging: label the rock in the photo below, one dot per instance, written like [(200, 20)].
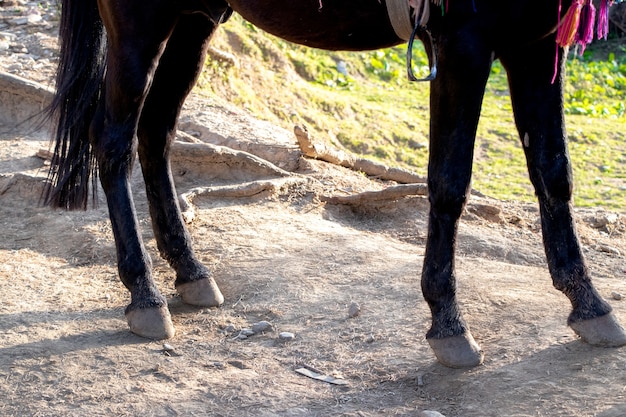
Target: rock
[(262, 326), (18, 21), (229, 329), (430, 413), (354, 310), (33, 18), (487, 211), (607, 249), (286, 336), (602, 220), (247, 332), (616, 295)]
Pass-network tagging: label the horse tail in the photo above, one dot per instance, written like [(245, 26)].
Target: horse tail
[(79, 79)]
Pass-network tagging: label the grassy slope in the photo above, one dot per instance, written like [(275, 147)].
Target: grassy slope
[(375, 112)]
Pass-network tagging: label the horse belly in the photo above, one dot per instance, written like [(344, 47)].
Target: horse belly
[(325, 24)]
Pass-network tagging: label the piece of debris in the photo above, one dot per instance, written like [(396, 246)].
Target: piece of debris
[(607, 249), (354, 310), (487, 211), (430, 413), (326, 152), (44, 154), (262, 326), (393, 192), (247, 332), (229, 329), (602, 220), (168, 350), (246, 189), (238, 364), (286, 336), (320, 377), (420, 380)]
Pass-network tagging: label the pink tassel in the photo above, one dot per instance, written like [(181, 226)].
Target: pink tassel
[(569, 26), (603, 18), (584, 34)]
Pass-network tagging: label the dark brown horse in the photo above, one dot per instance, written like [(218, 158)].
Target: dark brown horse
[(126, 67)]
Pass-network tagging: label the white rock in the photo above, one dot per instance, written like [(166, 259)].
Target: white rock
[(246, 332), (286, 336), (262, 326), (430, 413)]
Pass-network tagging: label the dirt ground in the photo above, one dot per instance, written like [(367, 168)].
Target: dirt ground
[(287, 257)]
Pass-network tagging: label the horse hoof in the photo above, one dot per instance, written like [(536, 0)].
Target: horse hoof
[(202, 293), (601, 331), (457, 351), (152, 323)]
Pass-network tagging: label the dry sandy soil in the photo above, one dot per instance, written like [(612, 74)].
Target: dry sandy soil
[(288, 257)]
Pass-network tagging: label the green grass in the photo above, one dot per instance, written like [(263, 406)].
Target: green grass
[(376, 112)]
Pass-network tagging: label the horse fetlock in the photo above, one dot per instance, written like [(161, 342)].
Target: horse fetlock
[(605, 331), (152, 323), (202, 293), (460, 351)]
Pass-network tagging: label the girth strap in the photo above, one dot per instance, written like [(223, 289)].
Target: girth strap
[(400, 16)]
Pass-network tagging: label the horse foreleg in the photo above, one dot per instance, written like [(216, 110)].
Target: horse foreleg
[(456, 97), (178, 69), (537, 105), (133, 51)]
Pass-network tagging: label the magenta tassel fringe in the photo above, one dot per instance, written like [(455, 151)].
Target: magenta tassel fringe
[(603, 18), (584, 34)]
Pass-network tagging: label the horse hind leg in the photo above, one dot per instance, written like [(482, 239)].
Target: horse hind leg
[(178, 70), (133, 51), (537, 105)]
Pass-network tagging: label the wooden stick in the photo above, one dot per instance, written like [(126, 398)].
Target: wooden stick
[(335, 156), (395, 192)]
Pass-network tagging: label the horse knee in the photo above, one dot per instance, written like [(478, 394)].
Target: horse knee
[(447, 199), (553, 181)]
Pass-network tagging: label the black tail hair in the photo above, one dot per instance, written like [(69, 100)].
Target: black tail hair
[(80, 73)]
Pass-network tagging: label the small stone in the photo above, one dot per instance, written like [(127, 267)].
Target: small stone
[(370, 338), (607, 249), (168, 350), (238, 364), (286, 336), (262, 326), (602, 220), (229, 329), (33, 18), (430, 413), (616, 295), (18, 21), (246, 332), (354, 310)]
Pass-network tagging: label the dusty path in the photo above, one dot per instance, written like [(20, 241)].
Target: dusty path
[(290, 259), (298, 263)]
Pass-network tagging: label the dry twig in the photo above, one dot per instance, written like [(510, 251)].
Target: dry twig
[(335, 156)]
